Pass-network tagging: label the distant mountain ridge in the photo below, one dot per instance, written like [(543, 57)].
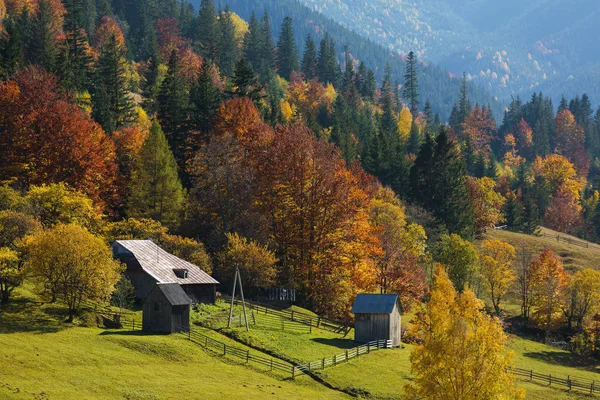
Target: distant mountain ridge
[(511, 47)]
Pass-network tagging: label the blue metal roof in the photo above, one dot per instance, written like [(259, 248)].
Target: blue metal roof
[(374, 303)]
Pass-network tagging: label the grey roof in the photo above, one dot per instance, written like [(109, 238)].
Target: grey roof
[(174, 293), (160, 264), (374, 303)]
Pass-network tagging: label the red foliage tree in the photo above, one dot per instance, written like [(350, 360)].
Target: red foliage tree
[(44, 138)]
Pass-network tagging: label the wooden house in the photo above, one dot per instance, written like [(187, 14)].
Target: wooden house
[(148, 264), (166, 309), (377, 317)]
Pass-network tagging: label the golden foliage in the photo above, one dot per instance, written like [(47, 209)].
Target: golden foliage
[(405, 120), (487, 203), (463, 353), (497, 269)]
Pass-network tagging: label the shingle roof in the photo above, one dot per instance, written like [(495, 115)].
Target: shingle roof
[(160, 264), (174, 293), (374, 303)]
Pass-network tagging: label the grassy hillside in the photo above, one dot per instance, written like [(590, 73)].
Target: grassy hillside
[(573, 256)]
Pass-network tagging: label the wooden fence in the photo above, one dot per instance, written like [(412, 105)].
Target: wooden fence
[(233, 351), (569, 240), (570, 383), (341, 358), (309, 320)]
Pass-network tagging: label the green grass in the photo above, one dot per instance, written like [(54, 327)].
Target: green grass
[(574, 257), (43, 358)]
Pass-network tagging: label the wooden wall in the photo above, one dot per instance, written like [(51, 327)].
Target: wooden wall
[(206, 293), (369, 327)]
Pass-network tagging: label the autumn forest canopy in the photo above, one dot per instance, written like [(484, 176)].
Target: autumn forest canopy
[(230, 144)]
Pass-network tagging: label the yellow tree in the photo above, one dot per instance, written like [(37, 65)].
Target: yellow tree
[(497, 269), (548, 286), (68, 263), (11, 275), (463, 355), (487, 203), (584, 296), (405, 124)]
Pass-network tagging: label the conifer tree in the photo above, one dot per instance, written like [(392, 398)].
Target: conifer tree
[(370, 85), (410, 90), (341, 133), (172, 108), (461, 111), (43, 45), (268, 56), (245, 81), (437, 182), (309, 60), (11, 49), (151, 84), (112, 102), (206, 38), (156, 191), (287, 52), (205, 99), (253, 43), (144, 36), (414, 142), (328, 67), (75, 58), (229, 53)]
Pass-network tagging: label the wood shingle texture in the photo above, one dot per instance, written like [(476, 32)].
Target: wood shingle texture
[(377, 317), (148, 264)]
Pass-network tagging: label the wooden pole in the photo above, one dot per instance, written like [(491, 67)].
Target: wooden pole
[(232, 299), (243, 300)]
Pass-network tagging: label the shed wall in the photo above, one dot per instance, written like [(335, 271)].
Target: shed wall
[(369, 327), (156, 316)]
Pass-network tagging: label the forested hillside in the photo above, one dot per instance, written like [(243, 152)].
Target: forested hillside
[(510, 47)]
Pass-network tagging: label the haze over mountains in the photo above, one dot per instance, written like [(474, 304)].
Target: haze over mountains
[(510, 47)]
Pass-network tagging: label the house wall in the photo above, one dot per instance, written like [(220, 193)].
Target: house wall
[(201, 293), (156, 315), (180, 318), (141, 281), (395, 327), (369, 327)]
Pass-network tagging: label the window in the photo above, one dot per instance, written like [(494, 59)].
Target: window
[(181, 273)]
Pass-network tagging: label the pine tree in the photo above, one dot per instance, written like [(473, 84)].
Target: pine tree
[(11, 49), (43, 45), (151, 84), (480, 166), (287, 51), (206, 37), (461, 111), (205, 99), (144, 37), (186, 18), (309, 61), (370, 85), (437, 182), (328, 68), (112, 102), (268, 56), (172, 107), (410, 90), (513, 211), (245, 81), (341, 133), (156, 191), (229, 53), (414, 142), (253, 43)]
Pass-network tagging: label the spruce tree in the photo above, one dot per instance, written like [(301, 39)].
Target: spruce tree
[(245, 82), (172, 108), (144, 37), (75, 58), (414, 142), (341, 133), (151, 84), (156, 191), (43, 45), (480, 167), (253, 43), (11, 49), (328, 67), (112, 102), (513, 211), (461, 111), (410, 90), (309, 60), (437, 181), (268, 56), (205, 99), (370, 85), (206, 37), (229, 53), (287, 52)]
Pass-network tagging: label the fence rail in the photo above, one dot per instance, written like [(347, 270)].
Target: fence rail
[(309, 320), (341, 358), (569, 240), (243, 354), (571, 383)]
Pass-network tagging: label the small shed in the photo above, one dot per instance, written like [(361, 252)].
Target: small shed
[(166, 309), (377, 317)]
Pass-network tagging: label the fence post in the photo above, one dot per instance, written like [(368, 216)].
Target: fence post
[(272, 367), (318, 321), (335, 360), (206, 341), (282, 324), (224, 349), (293, 370), (549, 380), (292, 315), (569, 381), (592, 388), (346, 355), (368, 347), (247, 356), (310, 326), (530, 375), (133, 325), (323, 363)]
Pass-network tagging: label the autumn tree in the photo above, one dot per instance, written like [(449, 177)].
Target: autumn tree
[(480, 127), (68, 263), (463, 352), (403, 245), (11, 276), (583, 300), (564, 211), (45, 139), (156, 191), (548, 286), (460, 259), (497, 269), (487, 203), (256, 262)]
